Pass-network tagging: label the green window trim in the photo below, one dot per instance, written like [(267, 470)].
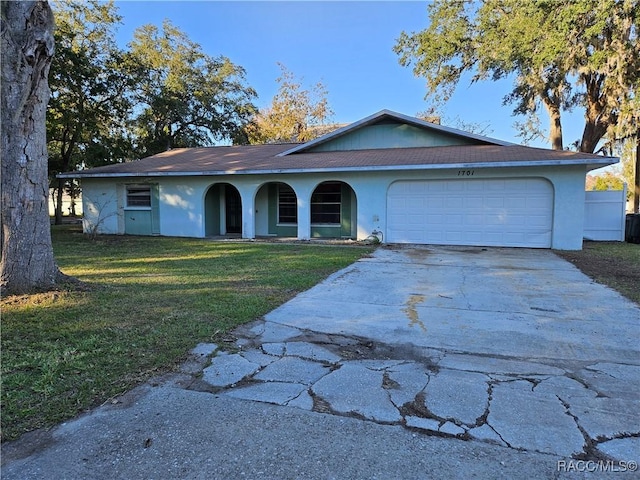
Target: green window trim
[(139, 196), (142, 210)]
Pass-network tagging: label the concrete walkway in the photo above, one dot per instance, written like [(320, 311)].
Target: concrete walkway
[(468, 362)]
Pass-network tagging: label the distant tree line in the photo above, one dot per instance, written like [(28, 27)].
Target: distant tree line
[(112, 105), (562, 56)]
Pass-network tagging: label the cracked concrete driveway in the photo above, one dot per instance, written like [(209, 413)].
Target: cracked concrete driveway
[(510, 346), (415, 362)]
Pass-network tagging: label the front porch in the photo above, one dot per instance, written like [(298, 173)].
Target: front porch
[(282, 210)]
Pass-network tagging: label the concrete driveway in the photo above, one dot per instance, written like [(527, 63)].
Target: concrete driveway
[(509, 346), (417, 359)]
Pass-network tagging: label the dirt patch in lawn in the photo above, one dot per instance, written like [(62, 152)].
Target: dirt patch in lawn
[(616, 264)]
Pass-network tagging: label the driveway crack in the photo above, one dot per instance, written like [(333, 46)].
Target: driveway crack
[(501, 437), (320, 405), (482, 419), (617, 436), (589, 449), (418, 408), (581, 381)]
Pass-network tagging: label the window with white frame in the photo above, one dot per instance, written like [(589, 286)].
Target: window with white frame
[(139, 196), (287, 205), (326, 203)]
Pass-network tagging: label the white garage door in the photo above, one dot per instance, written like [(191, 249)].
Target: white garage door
[(514, 212)]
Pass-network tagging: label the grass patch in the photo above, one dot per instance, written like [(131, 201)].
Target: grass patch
[(615, 264), (151, 300)]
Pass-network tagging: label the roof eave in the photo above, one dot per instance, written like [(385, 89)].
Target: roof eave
[(590, 164), (593, 165)]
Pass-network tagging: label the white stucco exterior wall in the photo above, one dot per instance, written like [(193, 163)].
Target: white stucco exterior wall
[(101, 206), (182, 199), (181, 206), (568, 207)]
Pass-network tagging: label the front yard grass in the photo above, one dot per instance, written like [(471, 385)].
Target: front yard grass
[(616, 264), (150, 300)]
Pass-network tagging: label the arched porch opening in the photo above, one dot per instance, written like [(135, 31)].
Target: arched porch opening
[(334, 211), (222, 210), (276, 209)]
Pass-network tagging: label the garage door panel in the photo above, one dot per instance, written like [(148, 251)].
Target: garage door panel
[(538, 221), (494, 202), (473, 188), (452, 202), (453, 219), (501, 185), (537, 204), (415, 208), (496, 220), (474, 220), (517, 220), (493, 212), (453, 187), (397, 205), (513, 237), (475, 235), (414, 222), (519, 200), (453, 237), (473, 201), (495, 238), (434, 218)]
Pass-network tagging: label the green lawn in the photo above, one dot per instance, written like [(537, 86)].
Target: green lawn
[(151, 299), (615, 264)]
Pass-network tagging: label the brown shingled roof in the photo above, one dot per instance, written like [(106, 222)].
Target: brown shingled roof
[(258, 159)]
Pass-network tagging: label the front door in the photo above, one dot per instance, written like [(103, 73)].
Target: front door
[(233, 210)]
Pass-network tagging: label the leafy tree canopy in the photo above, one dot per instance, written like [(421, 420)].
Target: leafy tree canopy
[(624, 172), (563, 54), (605, 181), (86, 116), (185, 97), (112, 105), (296, 114)]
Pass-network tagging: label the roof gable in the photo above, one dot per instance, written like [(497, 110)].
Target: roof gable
[(387, 129), (350, 149)]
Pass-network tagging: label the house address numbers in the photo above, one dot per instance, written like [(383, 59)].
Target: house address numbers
[(466, 173)]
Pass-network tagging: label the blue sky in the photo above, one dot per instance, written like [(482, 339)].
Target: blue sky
[(346, 45)]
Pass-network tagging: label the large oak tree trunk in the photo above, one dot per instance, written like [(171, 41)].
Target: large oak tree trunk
[(27, 262), (597, 117), (555, 125)]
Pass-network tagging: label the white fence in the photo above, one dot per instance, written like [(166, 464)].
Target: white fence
[(604, 214)]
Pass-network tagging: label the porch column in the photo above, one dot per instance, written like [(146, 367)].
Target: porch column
[(247, 194), (303, 194), (248, 222)]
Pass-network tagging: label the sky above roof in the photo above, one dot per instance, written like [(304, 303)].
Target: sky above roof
[(346, 45)]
